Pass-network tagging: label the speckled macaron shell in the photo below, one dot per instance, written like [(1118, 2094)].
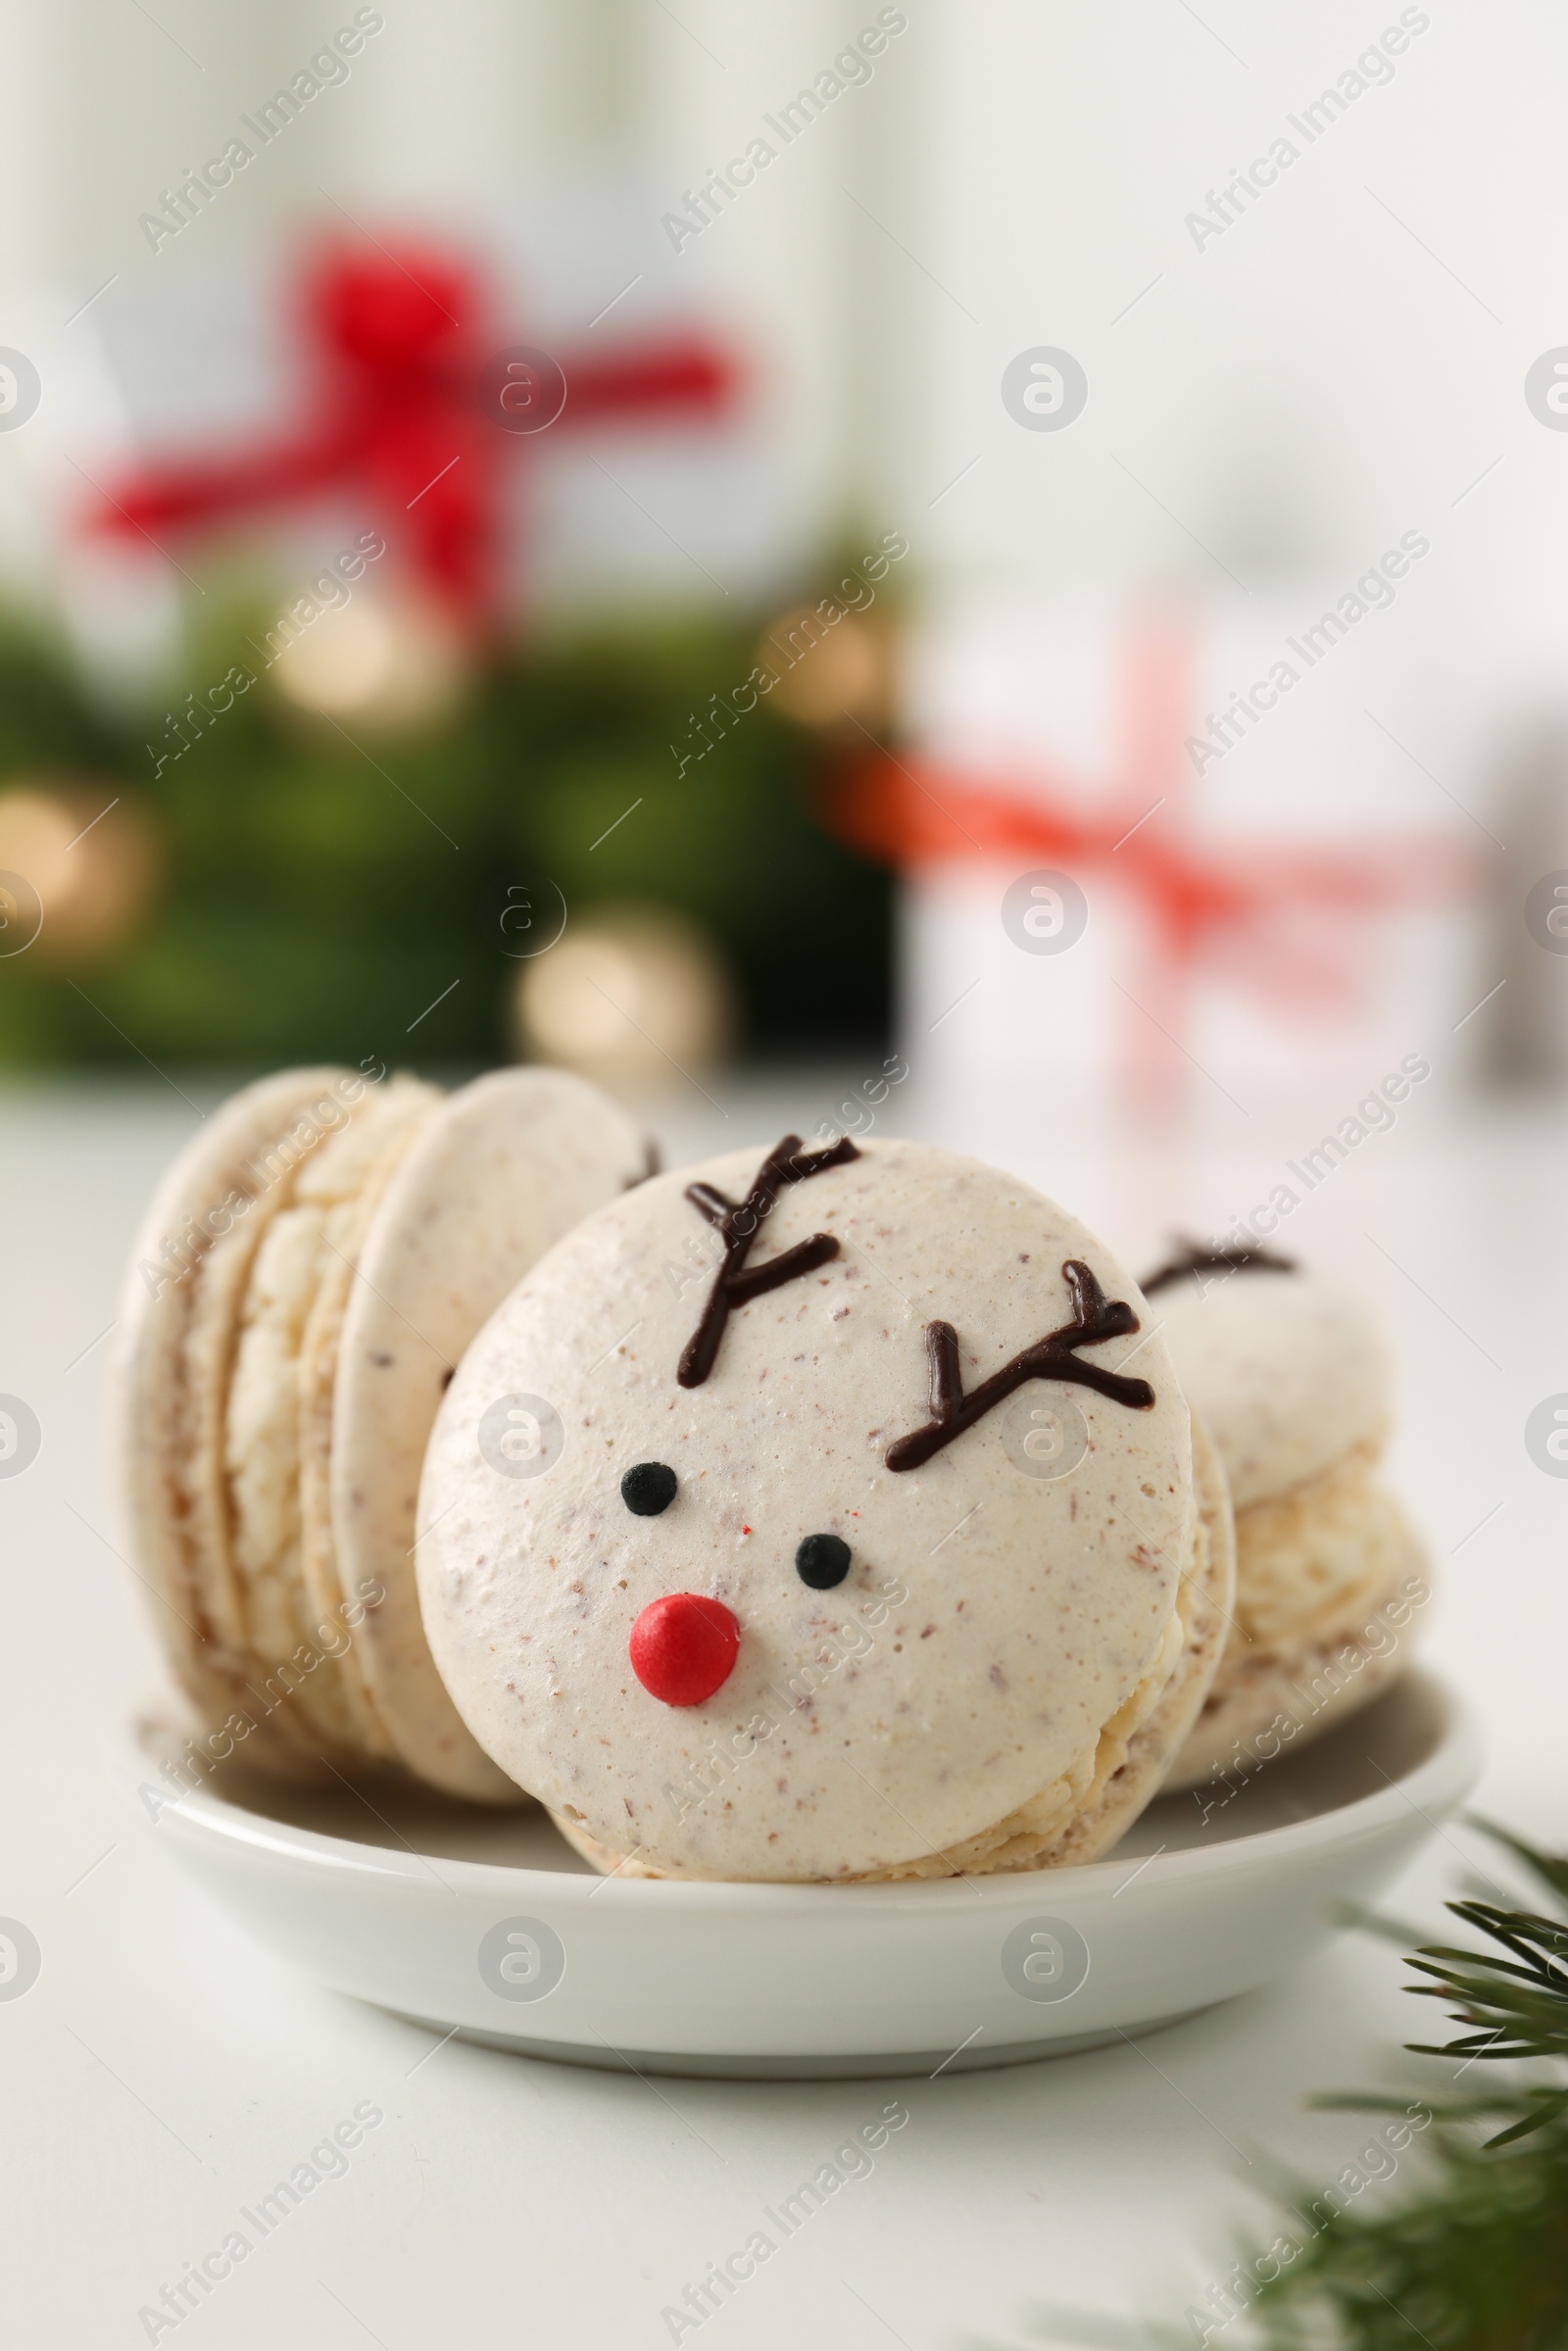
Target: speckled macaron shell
[(1033, 1607), (1293, 1376), (504, 1168), (1288, 1371), (168, 1383), (1136, 1769), (336, 1199)]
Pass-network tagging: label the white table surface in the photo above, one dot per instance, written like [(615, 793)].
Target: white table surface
[(161, 2073)]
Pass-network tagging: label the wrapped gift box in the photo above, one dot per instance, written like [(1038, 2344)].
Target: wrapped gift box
[(243, 425), (1179, 857)]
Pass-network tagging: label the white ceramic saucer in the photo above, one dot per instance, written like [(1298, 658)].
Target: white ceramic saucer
[(457, 1917)]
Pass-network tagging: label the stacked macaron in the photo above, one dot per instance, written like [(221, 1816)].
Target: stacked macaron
[(810, 1515), (867, 1535), (305, 1283), (1293, 1379)]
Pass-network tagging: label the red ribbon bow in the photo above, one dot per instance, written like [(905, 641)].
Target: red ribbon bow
[(1286, 917), (398, 419)]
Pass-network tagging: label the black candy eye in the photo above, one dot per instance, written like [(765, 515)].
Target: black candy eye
[(822, 1560), (648, 1487)]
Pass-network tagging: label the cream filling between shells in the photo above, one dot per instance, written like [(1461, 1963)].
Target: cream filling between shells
[(1313, 1564), (309, 1244)]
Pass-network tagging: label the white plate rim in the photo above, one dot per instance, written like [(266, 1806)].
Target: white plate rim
[(1434, 1786)]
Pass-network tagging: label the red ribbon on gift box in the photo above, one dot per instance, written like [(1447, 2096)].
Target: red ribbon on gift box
[(1286, 918), (397, 420)]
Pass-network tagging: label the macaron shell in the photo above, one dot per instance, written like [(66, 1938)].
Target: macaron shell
[(1208, 1597), (1130, 1771), (1030, 1610), (168, 1384), (405, 1109), (1289, 1371), (503, 1170)]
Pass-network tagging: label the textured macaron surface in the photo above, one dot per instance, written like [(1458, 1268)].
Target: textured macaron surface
[(307, 1240), (1289, 1371), (310, 1270), (507, 1165), (991, 1620)]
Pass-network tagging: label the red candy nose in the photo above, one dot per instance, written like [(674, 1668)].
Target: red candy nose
[(683, 1647)]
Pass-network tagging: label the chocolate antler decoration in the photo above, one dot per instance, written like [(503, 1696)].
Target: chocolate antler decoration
[(1195, 1259), (738, 1224), (1054, 1357)]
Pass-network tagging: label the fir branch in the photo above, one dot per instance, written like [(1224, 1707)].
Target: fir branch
[(1476, 2257), (1473, 2255)]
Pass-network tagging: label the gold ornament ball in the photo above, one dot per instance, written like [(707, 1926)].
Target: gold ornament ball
[(393, 661), (630, 996), (87, 858), (827, 671)]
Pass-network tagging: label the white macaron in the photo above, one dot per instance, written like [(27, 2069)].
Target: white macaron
[(1295, 1383), (304, 1284), (848, 1528)]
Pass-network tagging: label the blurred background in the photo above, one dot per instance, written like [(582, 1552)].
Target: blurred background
[(621, 535), (990, 569)]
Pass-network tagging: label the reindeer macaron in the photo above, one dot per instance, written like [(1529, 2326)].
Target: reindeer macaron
[(850, 1525), (1294, 1378)]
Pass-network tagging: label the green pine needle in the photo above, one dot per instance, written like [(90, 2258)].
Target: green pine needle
[(1475, 2258)]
